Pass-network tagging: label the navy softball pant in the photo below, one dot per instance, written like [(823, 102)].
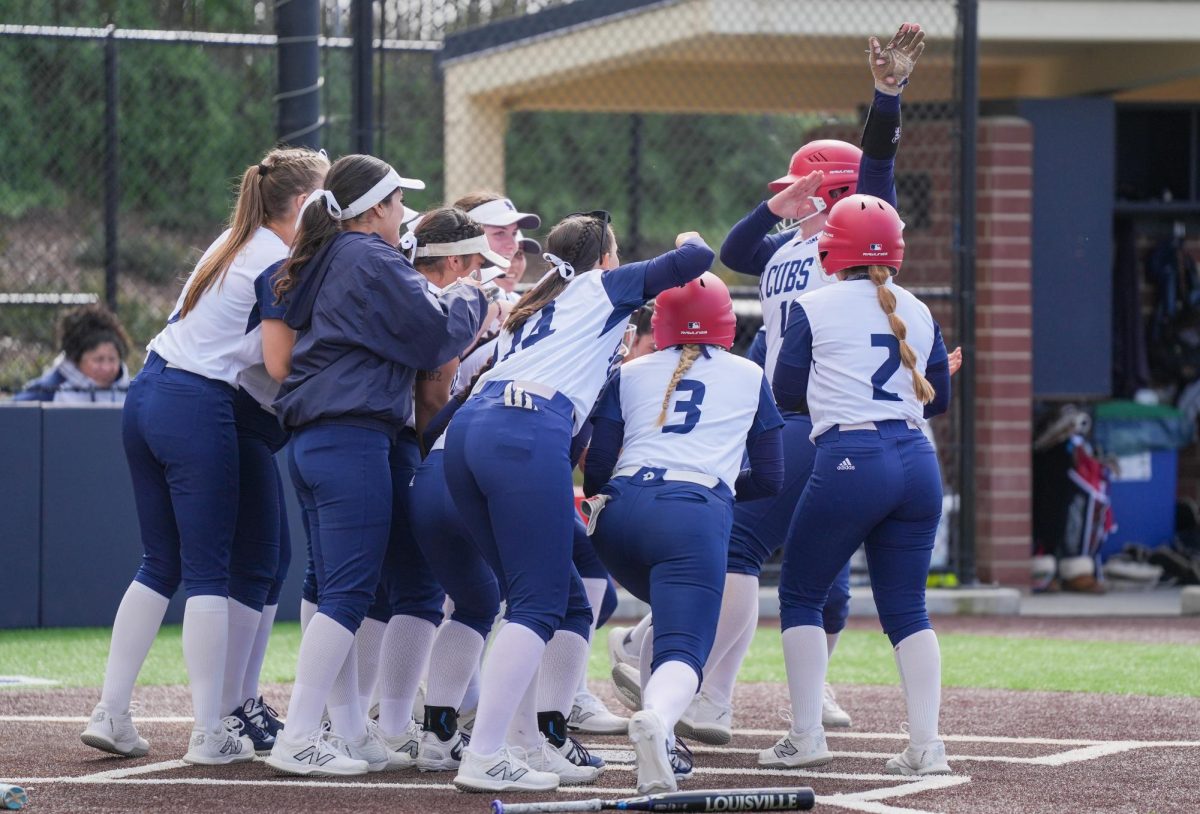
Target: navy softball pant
[(761, 526), (509, 473), (879, 487), (665, 542), (443, 538), (345, 477), (181, 442), (308, 511), (407, 586), (262, 550)]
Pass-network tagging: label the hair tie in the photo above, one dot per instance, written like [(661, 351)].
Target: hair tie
[(408, 245), (331, 204), (262, 170), (564, 269)]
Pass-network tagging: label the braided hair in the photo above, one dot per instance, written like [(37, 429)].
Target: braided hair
[(689, 354), (447, 224), (582, 241), (887, 301)]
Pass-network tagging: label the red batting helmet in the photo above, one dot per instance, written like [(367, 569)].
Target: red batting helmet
[(837, 159), (861, 230), (699, 312)]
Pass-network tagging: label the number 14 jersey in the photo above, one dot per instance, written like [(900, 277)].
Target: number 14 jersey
[(720, 402), (793, 270)]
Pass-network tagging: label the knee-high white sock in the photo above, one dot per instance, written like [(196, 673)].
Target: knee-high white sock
[(646, 656), (523, 729), (563, 661), (471, 696), (258, 652), (453, 660), (735, 631), (243, 629), (595, 590), (307, 611), (670, 690), (205, 640), (347, 715), (639, 632), (508, 669), (138, 619), (323, 652), (806, 658), (919, 660), (368, 642), (403, 661), (831, 640)]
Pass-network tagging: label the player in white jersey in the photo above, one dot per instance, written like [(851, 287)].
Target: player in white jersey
[(662, 518), (509, 470), (821, 173), (866, 359), (181, 441)]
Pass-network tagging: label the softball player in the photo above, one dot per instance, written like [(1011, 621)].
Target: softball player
[(508, 464), (867, 361), (346, 399), (181, 441), (787, 265), (666, 512), (445, 246)]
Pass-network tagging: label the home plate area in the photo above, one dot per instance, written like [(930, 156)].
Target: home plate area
[(1011, 751)]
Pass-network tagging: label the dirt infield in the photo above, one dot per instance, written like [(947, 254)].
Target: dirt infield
[(1012, 752)]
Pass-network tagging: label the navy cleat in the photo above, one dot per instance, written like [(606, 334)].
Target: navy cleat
[(254, 723), (270, 718), (575, 752), (681, 759)]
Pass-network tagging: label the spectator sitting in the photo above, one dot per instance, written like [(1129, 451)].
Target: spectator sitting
[(91, 366)]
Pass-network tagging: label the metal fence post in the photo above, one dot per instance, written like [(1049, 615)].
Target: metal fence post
[(112, 174), (298, 102), (634, 236), (968, 11), (362, 24)]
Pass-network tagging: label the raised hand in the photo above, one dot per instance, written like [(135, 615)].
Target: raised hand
[(795, 202), (891, 66)]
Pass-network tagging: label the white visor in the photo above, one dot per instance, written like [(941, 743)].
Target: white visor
[(528, 244), (472, 245), (489, 273), (383, 188), (502, 212)]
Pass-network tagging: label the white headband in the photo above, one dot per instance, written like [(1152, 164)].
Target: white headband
[(472, 245), (383, 188)]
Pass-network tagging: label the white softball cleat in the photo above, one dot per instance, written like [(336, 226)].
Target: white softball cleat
[(928, 759), (655, 774), (115, 734), (797, 750), (588, 714), (503, 770), (317, 754), (706, 722), (832, 713), (226, 745)]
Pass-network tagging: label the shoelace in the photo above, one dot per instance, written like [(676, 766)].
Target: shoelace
[(578, 749), (681, 755), (786, 714)]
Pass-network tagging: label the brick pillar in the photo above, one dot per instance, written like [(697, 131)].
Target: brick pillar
[(1004, 351)]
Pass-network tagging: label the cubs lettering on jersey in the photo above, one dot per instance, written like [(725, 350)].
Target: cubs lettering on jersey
[(793, 270), (571, 342), (720, 400), (856, 373)]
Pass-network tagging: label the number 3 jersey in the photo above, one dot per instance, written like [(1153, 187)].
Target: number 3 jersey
[(571, 342), (721, 401), (855, 373)]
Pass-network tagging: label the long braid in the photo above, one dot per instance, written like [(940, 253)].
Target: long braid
[(887, 301), (687, 356)]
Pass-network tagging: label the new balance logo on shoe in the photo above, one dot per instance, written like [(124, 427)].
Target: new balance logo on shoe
[(786, 749), (845, 466), (232, 746), (311, 754), (504, 771)]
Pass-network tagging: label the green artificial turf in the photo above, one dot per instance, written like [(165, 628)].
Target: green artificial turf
[(76, 657)]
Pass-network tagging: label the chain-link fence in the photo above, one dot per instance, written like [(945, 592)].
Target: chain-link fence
[(672, 114)]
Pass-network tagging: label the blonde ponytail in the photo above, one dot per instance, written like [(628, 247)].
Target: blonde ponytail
[(887, 301), (687, 356), (265, 195)]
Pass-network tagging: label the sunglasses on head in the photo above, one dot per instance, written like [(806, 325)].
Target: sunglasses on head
[(601, 215)]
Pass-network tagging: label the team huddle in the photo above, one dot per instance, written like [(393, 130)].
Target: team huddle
[(433, 419)]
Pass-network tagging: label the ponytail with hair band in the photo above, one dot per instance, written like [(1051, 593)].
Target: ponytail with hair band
[(887, 301)]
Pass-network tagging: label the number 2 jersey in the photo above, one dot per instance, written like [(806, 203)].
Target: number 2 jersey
[(841, 338), (720, 403)]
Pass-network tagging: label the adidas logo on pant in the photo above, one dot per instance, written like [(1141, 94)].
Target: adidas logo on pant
[(845, 466)]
